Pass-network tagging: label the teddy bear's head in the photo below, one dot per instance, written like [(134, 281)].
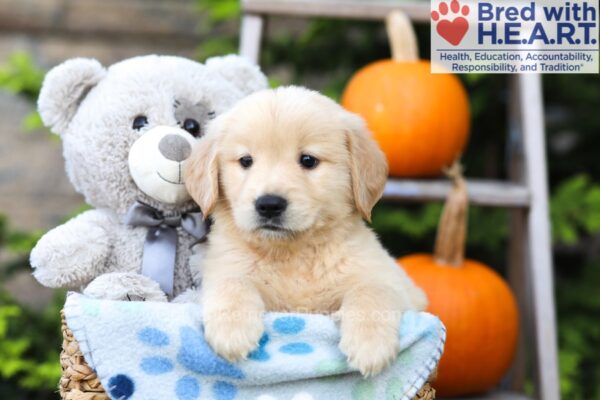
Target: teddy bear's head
[(128, 130)]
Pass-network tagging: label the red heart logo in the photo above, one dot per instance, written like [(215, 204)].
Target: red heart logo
[(453, 31)]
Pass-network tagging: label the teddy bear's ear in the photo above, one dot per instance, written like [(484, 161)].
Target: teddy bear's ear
[(239, 71), (64, 88)]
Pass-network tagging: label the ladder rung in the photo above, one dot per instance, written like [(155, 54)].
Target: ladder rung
[(481, 192), (496, 395), (354, 9)]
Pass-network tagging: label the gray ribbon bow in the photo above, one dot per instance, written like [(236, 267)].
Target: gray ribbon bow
[(160, 247)]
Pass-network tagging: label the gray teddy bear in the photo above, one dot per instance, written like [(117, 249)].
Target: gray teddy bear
[(127, 132)]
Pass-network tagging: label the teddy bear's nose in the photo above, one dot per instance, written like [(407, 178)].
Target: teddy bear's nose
[(174, 147)]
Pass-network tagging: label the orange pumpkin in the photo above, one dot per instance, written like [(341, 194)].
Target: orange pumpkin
[(476, 305), (420, 119)]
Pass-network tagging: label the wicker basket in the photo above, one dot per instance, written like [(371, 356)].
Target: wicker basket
[(79, 381)]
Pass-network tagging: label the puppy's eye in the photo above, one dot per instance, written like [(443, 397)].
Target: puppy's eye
[(308, 162), (139, 122), (192, 126), (246, 162)]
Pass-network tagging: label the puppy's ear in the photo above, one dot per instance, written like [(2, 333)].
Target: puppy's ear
[(202, 174), (368, 165)]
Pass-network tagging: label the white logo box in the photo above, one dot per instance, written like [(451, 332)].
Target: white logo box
[(551, 36)]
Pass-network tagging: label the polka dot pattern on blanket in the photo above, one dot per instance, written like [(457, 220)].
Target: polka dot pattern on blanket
[(187, 388), (296, 348), (121, 387), (156, 365), (289, 325), (153, 337)]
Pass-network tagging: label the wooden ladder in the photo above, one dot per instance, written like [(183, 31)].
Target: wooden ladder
[(526, 194)]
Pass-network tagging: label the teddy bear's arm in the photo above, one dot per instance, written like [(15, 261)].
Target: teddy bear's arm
[(72, 254), (124, 286)]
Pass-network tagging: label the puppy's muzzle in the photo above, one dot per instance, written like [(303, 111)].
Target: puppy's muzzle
[(270, 206)]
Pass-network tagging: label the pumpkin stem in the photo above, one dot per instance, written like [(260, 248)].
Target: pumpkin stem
[(403, 41), (452, 229)]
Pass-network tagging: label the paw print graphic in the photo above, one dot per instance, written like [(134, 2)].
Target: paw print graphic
[(283, 326), (197, 359), (451, 23), (194, 355)]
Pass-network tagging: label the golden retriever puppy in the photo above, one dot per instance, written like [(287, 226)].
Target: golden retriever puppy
[(288, 176)]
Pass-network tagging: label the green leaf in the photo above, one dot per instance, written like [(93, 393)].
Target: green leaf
[(575, 209), (29, 346), (220, 10), (413, 224), (274, 83), (32, 122), (20, 75), (216, 47), (7, 312), (23, 242)]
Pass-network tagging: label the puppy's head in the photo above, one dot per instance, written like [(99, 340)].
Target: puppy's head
[(285, 162)]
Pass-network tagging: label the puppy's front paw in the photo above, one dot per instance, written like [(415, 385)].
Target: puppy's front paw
[(233, 334), (370, 349)]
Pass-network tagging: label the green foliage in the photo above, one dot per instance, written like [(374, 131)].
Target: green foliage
[(574, 212), (219, 10), (215, 46), (575, 209), (20, 75), (17, 245), (487, 227), (29, 347), (572, 102), (413, 223), (579, 332), (28, 365), (32, 122), (29, 339), (219, 15)]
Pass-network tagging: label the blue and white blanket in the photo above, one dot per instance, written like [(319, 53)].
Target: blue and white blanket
[(156, 351)]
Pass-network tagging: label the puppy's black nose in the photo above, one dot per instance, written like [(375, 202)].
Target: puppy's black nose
[(270, 206)]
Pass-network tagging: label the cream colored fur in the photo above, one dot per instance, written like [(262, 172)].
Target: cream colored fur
[(325, 259)]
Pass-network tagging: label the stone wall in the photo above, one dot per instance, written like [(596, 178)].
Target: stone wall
[(33, 189)]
